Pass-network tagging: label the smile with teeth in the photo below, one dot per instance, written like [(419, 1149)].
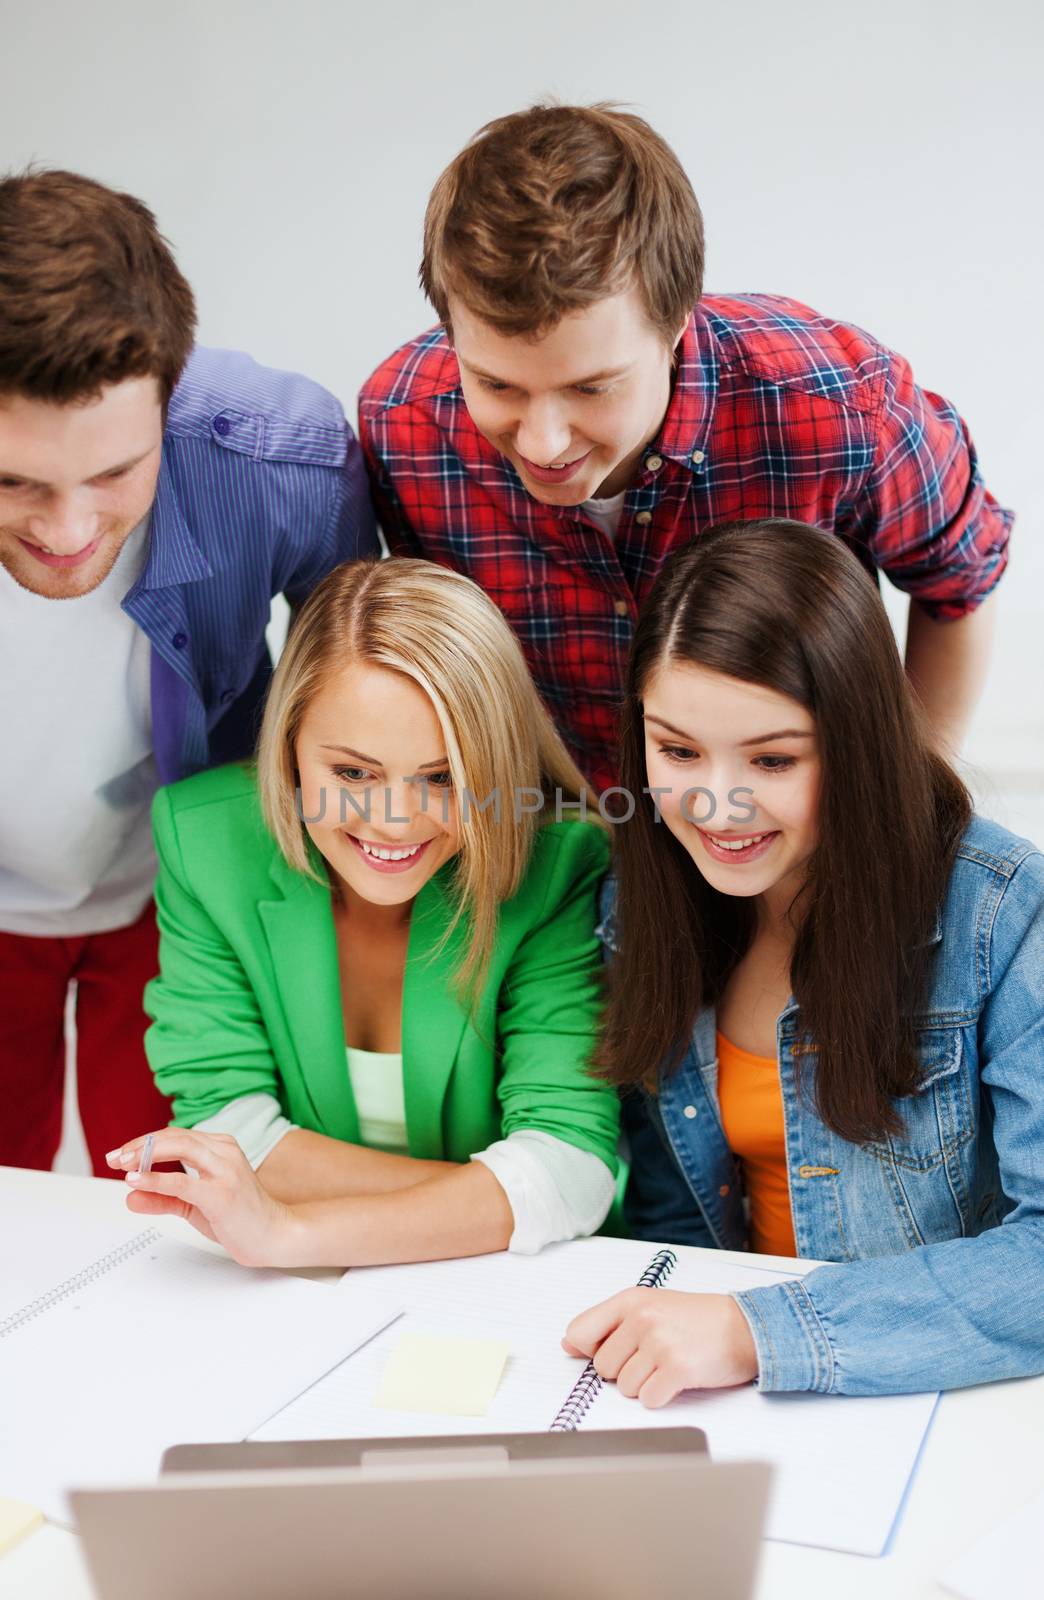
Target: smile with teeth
[(738, 844), (384, 854)]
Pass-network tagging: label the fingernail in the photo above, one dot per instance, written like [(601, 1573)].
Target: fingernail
[(113, 1156), (134, 1177)]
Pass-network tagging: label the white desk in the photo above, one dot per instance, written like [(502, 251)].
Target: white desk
[(983, 1457)]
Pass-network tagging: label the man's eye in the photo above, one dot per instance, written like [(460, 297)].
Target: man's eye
[(492, 386), (589, 388), (11, 483)]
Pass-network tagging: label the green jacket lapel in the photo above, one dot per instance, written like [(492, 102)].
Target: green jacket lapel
[(433, 1019), (301, 940)]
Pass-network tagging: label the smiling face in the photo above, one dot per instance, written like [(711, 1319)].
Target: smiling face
[(373, 772), (574, 409), (75, 480), (749, 758)]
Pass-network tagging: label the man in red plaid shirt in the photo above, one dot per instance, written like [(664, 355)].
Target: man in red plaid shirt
[(574, 419)]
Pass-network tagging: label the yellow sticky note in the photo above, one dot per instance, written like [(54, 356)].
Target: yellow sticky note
[(16, 1520), (436, 1372)]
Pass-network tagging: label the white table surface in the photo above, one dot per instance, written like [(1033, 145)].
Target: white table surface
[(983, 1457)]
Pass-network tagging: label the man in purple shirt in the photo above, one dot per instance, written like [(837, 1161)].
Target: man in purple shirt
[(153, 498)]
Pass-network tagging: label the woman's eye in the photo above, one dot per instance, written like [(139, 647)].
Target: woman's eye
[(774, 763), (441, 780), (350, 774), (677, 752)]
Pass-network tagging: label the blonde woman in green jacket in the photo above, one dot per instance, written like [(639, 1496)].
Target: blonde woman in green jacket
[(379, 982)]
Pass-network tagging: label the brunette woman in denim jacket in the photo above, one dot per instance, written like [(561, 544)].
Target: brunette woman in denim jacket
[(826, 999)]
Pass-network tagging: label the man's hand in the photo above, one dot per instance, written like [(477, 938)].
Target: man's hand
[(656, 1342)]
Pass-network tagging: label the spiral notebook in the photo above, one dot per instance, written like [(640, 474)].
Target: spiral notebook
[(150, 1343), (589, 1385), (842, 1464)]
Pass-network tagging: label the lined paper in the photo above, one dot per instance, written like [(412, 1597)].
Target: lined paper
[(843, 1463), (172, 1345)]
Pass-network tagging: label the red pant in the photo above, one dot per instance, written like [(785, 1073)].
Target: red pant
[(117, 1095)]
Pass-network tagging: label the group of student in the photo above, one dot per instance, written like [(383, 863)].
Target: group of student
[(606, 798)]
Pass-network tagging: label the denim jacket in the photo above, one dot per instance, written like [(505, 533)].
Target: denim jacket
[(938, 1232)]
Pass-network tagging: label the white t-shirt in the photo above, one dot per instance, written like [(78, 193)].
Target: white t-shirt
[(606, 513), (76, 850)]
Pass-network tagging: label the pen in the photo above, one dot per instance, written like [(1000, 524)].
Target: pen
[(145, 1164)]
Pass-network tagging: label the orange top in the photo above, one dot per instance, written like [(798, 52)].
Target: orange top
[(752, 1116)]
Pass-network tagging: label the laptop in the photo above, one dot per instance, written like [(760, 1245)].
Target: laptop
[(569, 1516)]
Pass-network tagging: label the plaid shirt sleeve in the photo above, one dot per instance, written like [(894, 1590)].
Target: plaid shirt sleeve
[(927, 517), (391, 514)]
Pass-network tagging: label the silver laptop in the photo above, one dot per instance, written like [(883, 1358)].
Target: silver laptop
[(605, 1515)]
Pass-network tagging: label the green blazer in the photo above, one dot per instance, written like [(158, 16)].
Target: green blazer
[(248, 998)]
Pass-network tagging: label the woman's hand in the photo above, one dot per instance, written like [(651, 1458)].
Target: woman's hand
[(226, 1201), (656, 1342)]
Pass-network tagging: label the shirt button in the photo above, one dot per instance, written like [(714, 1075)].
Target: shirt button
[(222, 426), (227, 696), (644, 517), (621, 608), (697, 458), (723, 1191), (179, 641), (653, 463), (690, 1112)]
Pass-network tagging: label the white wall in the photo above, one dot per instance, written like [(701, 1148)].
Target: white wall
[(878, 162)]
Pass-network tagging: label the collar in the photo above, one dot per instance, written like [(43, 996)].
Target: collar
[(690, 412), (174, 556)]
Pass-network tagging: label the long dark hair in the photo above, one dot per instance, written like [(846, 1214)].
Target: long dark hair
[(789, 607)]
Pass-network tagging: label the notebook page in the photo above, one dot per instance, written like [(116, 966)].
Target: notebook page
[(842, 1464), (40, 1246), (172, 1345)]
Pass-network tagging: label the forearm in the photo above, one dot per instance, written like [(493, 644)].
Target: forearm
[(306, 1166), (946, 1315), (458, 1212), (947, 664)]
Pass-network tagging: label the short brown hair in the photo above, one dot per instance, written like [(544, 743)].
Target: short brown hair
[(90, 293), (551, 209)]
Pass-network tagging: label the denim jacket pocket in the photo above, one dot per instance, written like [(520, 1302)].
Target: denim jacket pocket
[(937, 1117)]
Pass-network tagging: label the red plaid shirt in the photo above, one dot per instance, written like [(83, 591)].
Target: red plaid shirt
[(776, 412)]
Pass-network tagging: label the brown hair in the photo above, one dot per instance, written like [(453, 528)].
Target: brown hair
[(89, 291), (551, 209), (789, 607)]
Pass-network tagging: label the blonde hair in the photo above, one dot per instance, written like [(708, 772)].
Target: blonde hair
[(439, 629)]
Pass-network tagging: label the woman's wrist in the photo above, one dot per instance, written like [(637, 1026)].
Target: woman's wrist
[(298, 1240)]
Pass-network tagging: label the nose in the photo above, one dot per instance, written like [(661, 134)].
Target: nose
[(721, 800), (543, 434), (67, 526), (396, 806)]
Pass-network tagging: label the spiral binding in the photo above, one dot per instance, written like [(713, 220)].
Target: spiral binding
[(588, 1386), (71, 1286)]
